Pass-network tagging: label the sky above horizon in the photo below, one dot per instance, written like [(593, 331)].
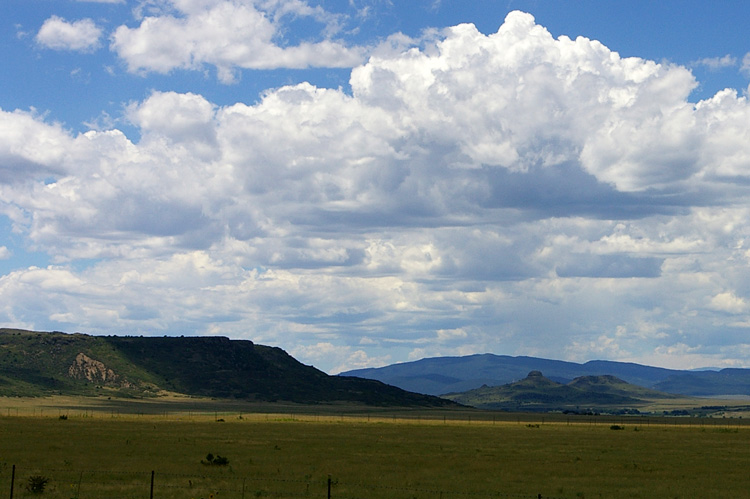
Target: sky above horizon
[(365, 182)]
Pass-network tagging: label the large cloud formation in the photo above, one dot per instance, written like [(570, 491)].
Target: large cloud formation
[(510, 192)]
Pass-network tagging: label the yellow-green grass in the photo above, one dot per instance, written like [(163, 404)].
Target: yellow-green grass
[(100, 454)]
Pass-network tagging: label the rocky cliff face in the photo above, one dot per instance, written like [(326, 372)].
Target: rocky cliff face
[(94, 371)]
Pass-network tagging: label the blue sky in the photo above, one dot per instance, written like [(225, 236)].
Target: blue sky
[(364, 182)]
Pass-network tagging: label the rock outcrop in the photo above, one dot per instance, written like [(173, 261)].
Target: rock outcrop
[(94, 371)]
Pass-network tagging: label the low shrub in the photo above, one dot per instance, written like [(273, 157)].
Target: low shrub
[(36, 484), (215, 460)]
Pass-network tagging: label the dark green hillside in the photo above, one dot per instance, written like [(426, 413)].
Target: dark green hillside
[(220, 367), (537, 393), (614, 385), (34, 364)]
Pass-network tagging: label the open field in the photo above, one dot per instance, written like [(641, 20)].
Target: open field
[(103, 452), (177, 405)]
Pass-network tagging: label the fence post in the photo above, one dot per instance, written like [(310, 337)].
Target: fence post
[(12, 480), (78, 490), (329, 487), (152, 485)]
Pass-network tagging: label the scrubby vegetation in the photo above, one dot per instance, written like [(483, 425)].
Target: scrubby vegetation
[(36, 484), (216, 460)]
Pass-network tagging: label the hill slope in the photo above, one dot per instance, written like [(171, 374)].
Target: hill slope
[(34, 363), (440, 375), (537, 393)]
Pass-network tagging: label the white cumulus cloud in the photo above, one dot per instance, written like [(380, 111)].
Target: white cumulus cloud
[(58, 34), (728, 302), (228, 35)]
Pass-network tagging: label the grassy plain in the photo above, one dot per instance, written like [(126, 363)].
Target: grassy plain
[(107, 449)]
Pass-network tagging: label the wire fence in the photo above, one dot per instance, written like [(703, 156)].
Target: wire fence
[(113, 484), (710, 415)]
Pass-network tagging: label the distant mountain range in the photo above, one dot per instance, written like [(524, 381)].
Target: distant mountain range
[(38, 364), (604, 393), (442, 375)]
